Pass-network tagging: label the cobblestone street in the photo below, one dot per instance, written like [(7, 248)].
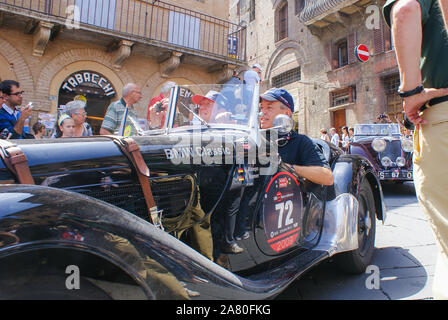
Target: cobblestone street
[(406, 255)]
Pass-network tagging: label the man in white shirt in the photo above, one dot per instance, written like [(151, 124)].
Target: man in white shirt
[(334, 137), (253, 77)]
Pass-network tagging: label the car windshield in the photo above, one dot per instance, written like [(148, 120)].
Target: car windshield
[(228, 106), (383, 129)]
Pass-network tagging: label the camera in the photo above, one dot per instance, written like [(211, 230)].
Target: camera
[(407, 123), (159, 107), (4, 134)]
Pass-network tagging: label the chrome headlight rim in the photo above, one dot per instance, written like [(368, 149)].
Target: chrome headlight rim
[(386, 162), (407, 145), (400, 161), (379, 144)]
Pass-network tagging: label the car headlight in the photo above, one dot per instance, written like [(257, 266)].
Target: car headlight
[(407, 145), (386, 162), (401, 162), (379, 145)]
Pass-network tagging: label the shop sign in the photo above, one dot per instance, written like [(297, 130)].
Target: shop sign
[(82, 77)]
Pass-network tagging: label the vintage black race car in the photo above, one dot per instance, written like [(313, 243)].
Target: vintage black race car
[(388, 151), (145, 216)]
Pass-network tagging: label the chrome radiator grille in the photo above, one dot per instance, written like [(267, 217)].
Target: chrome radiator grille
[(172, 195)]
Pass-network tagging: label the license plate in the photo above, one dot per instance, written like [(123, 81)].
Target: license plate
[(395, 174)]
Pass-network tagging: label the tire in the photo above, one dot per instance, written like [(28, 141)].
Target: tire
[(356, 261)]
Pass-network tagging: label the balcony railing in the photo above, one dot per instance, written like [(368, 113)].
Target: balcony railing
[(318, 10), (159, 23)]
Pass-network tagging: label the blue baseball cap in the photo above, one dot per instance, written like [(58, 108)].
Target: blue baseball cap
[(281, 95)]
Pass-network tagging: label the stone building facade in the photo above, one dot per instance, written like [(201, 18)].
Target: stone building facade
[(307, 47), (62, 48)]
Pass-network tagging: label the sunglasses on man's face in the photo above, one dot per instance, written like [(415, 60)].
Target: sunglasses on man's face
[(17, 93)]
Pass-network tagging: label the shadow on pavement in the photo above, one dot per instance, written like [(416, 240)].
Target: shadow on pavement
[(398, 189), (401, 275)]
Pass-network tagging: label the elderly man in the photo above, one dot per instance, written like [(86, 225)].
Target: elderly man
[(334, 137), (12, 117), (421, 46), (114, 114), (302, 155), (211, 106)]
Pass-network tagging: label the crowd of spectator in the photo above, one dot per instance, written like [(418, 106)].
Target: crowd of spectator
[(345, 137)]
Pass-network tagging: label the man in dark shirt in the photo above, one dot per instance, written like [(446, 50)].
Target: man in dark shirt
[(299, 152)]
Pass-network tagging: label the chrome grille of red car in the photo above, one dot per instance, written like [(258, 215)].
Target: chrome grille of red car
[(393, 150)]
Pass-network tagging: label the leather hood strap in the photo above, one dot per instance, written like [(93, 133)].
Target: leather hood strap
[(15, 160), (132, 151)]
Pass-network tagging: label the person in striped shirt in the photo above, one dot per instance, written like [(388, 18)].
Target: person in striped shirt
[(114, 114)]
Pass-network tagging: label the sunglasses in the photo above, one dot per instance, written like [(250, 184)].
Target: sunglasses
[(17, 93)]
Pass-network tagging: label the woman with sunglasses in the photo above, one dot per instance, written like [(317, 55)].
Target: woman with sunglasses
[(76, 110)]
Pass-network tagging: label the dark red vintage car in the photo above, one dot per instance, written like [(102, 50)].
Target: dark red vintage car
[(388, 151)]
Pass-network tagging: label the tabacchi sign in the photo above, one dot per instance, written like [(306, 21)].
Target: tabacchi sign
[(81, 77)]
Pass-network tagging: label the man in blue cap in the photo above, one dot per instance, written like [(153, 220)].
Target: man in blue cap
[(299, 151)]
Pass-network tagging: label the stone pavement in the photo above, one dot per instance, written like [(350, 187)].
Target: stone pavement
[(406, 253)]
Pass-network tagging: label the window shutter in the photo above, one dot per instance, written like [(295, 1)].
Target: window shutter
[(252, 10), (334, 55), (351, 44), (378, 39), (277, 25), (387, 38)]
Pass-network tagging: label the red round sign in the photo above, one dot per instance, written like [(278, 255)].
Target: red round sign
[(362, 53)]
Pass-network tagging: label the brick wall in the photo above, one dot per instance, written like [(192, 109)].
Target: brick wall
[(37, 74)]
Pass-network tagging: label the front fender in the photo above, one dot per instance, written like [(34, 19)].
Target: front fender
[(348, 172), (45, 218), (41, 218)]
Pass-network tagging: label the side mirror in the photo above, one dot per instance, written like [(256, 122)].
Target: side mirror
[(283, 124)]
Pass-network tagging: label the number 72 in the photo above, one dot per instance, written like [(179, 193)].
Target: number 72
[(288, 206)]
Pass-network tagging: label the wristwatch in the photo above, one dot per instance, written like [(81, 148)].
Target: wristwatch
[(405, 94)]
